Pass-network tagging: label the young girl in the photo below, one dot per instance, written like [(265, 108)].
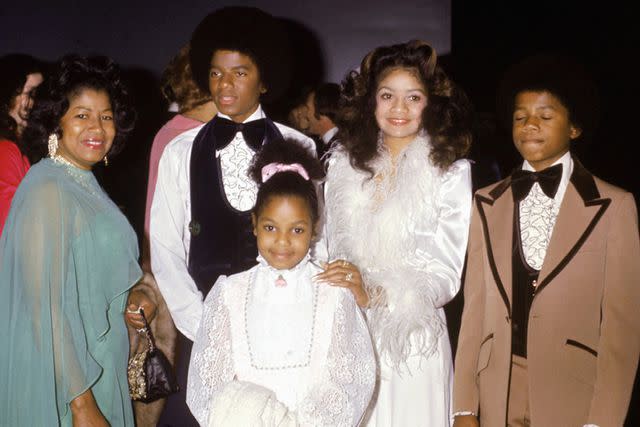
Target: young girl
[(274, 348), (398, 201)]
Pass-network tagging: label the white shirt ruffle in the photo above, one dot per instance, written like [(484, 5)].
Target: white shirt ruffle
[(538, 214)]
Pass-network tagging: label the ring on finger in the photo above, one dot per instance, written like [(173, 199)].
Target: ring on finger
[(345, 263), (348, 276)]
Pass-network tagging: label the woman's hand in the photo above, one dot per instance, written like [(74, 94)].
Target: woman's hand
[(85, 412), (343, 273), (140, 297)]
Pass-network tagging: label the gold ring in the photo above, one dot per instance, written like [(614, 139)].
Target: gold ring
[(348, 276)]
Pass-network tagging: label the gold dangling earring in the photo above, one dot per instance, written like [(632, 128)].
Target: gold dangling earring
[(106, 160), (53, 145)]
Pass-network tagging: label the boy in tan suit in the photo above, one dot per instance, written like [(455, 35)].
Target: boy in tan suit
[(550, 331)]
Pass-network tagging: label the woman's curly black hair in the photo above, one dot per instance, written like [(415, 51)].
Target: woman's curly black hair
[(287, 151), (447, 117), (71, 75), (14, 70)]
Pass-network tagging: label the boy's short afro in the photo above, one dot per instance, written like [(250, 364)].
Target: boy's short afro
[(557, 74)]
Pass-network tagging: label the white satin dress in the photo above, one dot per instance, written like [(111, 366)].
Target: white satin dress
[(406, 229)]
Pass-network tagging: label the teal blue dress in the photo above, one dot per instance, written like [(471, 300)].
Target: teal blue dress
[(68, 257)]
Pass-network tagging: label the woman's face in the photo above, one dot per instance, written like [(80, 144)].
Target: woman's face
[(24, 101), (400, 100), (88, 128)]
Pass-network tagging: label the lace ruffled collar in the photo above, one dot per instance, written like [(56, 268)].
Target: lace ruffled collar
[(82, 176), (264, 264)]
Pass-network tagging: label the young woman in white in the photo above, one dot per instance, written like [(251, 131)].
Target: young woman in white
[(398, 202)]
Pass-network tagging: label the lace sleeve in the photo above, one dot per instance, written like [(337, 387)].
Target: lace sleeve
[(346, 384), (211, 366)]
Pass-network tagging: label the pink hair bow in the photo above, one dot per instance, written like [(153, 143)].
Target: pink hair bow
[(273, 168)]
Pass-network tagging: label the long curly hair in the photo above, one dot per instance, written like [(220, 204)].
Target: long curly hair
[(71, 75), (447, 117), (14, 70), (287, 183)]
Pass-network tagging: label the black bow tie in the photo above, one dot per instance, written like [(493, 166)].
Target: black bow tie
[(549, 180), (252, 132)]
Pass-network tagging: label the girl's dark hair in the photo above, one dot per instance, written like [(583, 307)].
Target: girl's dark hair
[(71, 75), (447, 117), (14, 69), (287, 183)]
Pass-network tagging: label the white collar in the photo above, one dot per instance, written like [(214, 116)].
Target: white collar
[(326, 137), (567, 170), (264, 265), (296, 280), (258, 114)]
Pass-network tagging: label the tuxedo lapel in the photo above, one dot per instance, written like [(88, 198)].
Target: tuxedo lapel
[(496, 212), (580, 211)]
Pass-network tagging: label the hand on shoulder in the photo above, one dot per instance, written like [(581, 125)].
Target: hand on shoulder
[(346, 275)]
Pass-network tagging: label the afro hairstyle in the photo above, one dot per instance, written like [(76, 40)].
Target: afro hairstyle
[(559, 75), (247, 30)]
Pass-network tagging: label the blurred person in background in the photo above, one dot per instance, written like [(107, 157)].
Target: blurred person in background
[(20, 75), (322, 111)]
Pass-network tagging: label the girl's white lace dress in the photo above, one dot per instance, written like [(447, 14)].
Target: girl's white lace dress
[(406, 229), (273, 355)]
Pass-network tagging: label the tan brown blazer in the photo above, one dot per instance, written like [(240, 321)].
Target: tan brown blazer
[(583, 340)]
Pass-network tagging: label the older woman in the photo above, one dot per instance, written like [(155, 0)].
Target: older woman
[(20, 75), (68, 260)]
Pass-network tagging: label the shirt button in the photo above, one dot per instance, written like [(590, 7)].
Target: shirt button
[(194, 228)]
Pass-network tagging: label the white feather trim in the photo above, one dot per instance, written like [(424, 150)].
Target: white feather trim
[(375, 223)]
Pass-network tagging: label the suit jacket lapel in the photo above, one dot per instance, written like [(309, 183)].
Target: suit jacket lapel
[(496, 212), (580, 211)]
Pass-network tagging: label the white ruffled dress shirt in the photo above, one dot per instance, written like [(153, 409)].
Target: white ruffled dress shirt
[(171, 214), (538, 214)]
